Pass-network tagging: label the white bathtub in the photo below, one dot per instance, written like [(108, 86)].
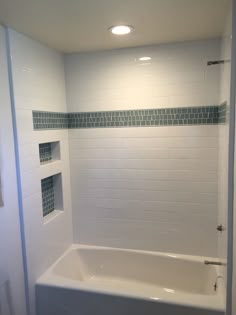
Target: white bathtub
[(89, 280)]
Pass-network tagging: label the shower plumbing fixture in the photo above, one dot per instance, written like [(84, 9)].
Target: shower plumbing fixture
[(217, 62), (216, 263)]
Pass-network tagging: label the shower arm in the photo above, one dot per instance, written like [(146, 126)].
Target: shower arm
[(216, 263), (217, 62)]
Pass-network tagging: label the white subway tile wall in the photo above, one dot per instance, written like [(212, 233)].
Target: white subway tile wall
[(38, 82), (148, 188), (176, 76), (152, 188)]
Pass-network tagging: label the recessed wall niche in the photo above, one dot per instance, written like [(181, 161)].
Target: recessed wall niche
[(52, 194), (49, 152)]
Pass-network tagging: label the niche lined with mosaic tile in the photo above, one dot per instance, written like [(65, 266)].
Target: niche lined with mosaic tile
[(48, 197), (52, 194), (49, 152)]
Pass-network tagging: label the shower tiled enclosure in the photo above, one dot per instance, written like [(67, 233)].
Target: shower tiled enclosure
[(131, 159)]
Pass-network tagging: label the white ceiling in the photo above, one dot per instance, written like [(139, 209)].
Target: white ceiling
[(81, 25)]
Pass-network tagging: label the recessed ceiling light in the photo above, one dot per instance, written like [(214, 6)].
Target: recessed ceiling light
[(121, 29), (144, 58)]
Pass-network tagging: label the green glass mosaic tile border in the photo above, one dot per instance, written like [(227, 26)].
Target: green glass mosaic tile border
[(204, 115), (151, 117), (223, 111), (48, 198), (50, 120)]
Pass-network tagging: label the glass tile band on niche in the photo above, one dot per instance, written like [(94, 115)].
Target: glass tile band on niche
[(45, 152), (204, 115), (50, 120), (48, 198)]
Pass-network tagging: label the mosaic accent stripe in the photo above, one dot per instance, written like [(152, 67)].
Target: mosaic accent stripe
[(223, 113), (48, 198), (204, 115), (151, 117), (50, 120), (45, 152)]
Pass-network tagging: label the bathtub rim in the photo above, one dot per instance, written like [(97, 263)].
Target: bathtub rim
[(52, 280)]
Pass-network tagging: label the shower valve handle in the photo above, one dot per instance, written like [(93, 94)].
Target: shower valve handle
[(220, 228)]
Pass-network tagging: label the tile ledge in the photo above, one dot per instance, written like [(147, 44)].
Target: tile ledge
[(51, 216)]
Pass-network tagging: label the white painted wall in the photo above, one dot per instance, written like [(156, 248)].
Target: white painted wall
[(11, 266), (149, 188), (38, 81)]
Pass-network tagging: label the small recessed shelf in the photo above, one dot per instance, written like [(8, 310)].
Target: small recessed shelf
[(49, 152), (52, 194), (51, 216)]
